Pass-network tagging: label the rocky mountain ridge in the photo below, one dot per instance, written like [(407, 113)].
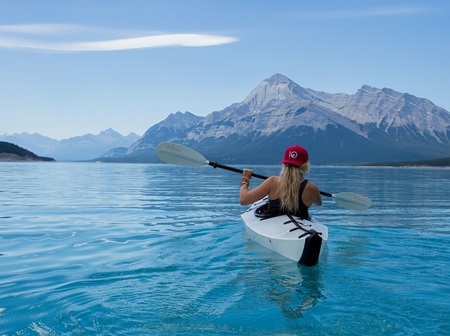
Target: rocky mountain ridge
[(371, 125)]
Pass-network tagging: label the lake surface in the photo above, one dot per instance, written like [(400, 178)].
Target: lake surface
[(141, 249)]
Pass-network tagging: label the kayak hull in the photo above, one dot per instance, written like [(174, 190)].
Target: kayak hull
[(302, 241)]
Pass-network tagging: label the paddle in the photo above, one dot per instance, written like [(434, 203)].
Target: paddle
[(184, 156)]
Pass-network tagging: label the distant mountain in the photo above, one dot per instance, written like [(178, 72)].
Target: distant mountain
[(78, 148), (444, 162), (174, 124), (12, 153), (371, 125)]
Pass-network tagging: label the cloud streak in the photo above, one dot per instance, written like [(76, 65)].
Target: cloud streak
[(69, 38)]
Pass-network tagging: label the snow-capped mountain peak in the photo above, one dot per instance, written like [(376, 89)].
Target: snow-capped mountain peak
[(273, 90)]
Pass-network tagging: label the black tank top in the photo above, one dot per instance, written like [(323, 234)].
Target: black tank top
[(303, 212)]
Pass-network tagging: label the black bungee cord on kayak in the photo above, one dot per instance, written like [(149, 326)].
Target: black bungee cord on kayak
[(313, 243)]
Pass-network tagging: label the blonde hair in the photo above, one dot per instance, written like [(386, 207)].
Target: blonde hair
[(289, 186)]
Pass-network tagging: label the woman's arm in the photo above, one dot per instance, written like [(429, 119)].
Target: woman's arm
[(311, 195), (247, 196)]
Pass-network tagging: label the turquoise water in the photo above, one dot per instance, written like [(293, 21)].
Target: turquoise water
[(131, 249)]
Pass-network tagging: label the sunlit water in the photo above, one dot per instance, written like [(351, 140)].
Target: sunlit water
[(131, 249)]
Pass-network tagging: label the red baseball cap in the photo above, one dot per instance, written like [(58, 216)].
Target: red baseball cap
[(295, 155)]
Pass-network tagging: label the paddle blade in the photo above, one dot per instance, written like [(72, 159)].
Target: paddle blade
[(352, 201), (180, 155)]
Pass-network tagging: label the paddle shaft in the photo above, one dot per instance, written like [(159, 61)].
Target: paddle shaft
[(237, 170), (183, 156)]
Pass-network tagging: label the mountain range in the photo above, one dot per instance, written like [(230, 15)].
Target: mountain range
[(370, 125), (79, 148)]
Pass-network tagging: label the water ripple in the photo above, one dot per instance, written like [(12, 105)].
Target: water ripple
[(154, 249)]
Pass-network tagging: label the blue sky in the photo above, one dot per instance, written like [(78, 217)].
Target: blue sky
[(74, 67)]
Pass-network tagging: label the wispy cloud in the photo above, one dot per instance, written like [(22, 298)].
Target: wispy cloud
[(365, 12), (73, 38)]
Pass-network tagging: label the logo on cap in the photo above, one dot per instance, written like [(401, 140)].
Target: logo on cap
[(293, 154)]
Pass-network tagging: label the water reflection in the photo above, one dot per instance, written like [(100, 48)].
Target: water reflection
[(295, 289)]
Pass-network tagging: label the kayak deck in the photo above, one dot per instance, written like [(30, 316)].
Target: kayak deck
[(286, 235)]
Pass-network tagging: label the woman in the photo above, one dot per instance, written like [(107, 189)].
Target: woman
[(290, 192)]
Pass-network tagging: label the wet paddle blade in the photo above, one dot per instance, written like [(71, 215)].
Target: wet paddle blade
[(352, 201), (180, 155)]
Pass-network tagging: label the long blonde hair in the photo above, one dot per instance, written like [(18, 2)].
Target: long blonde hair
[(289, 186)]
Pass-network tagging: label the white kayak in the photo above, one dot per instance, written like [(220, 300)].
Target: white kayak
[(294, 238)]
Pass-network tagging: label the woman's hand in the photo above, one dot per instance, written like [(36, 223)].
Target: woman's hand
[(246, 176)]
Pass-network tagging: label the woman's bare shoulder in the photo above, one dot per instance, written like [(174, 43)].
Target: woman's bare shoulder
[(272, 180), (312, 186)]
